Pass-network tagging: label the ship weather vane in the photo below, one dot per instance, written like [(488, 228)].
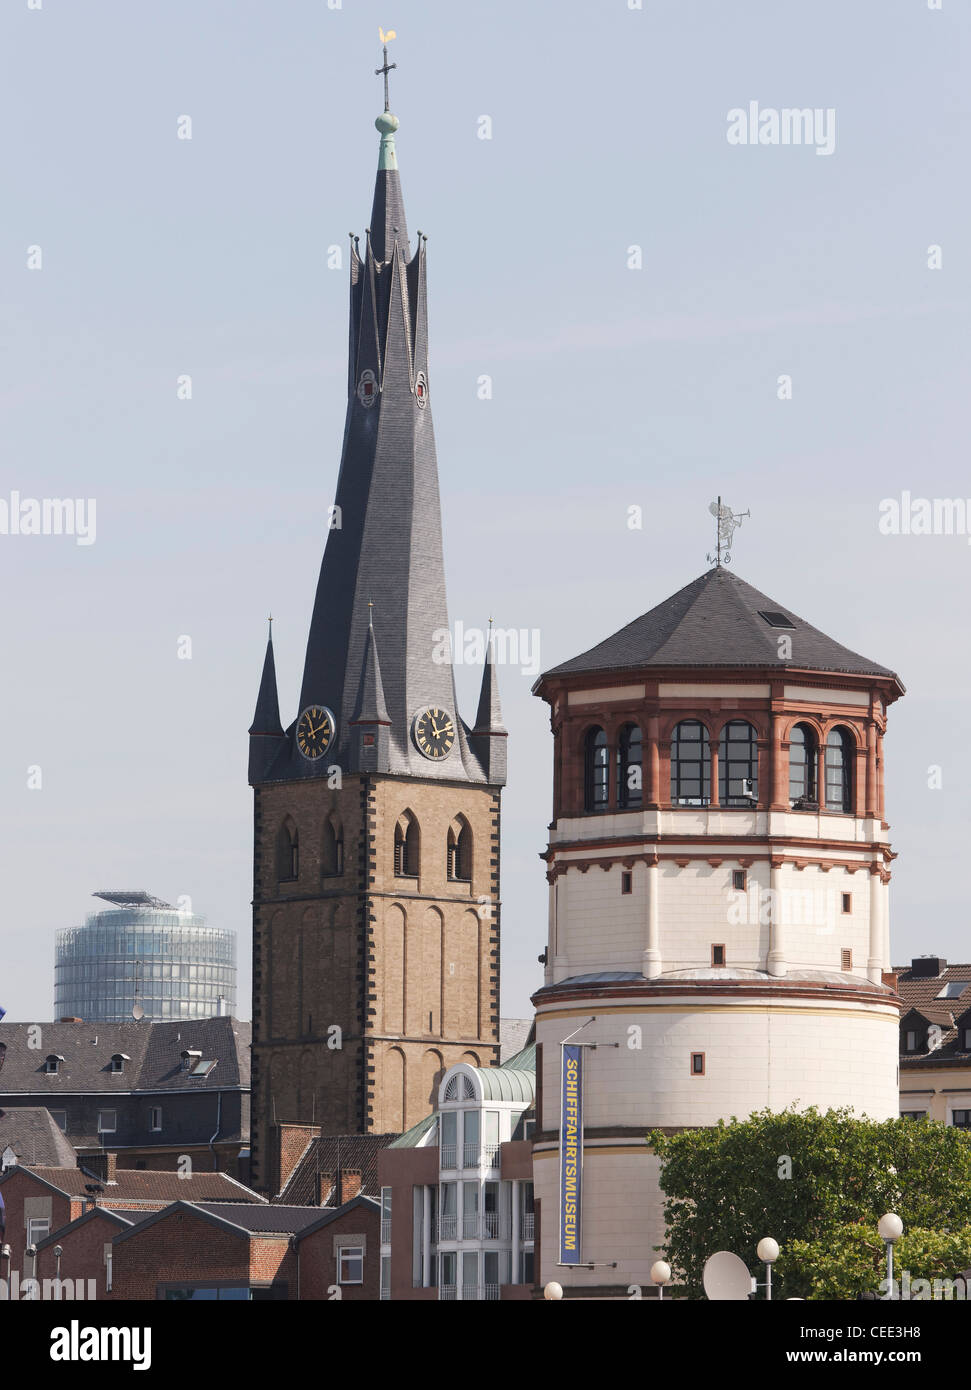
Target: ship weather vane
[(728, 524), (385, 40)]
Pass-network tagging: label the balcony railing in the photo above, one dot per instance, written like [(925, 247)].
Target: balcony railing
[(447, 1291), (447, 1226), (385, 1293), (526, 1225), (490, 1291), (471, 1293), (385, 1230), (470, 1226), (490, 1155), (446, 1156), (471, 1154)]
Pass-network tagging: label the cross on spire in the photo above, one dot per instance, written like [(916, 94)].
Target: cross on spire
[(385, 39)]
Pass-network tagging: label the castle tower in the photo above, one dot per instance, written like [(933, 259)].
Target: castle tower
[(718, 867), (376, 818)]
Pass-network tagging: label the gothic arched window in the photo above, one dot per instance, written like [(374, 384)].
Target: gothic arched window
[(596, 771), (406, 847), (459, 851), (287, 852), (332, 853), (629, 766), (738, 764), (803, 757), (690, 764), (839, 770)]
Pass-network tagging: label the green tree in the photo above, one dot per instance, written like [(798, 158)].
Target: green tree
[(807, 1176)]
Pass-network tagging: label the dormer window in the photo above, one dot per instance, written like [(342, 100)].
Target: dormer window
[(911, 1040), (190, 1057), (118, 1061), (52, 1063)]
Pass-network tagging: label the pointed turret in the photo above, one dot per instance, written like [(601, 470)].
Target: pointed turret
[(371, 720), (266, 731), (489, 737)]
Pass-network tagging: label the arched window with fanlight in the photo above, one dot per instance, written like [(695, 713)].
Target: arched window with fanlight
[(287, 852), (406, 846), (690, 764), (596, 771), (629, 766), (803, 762), (839, 770), (459, 851), (332, 851), (738, 764)]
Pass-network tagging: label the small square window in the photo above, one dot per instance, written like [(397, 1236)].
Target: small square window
[(718, 955), (60, 1119), (739, 880), (846, 958), (697, 1064), (107, 1121), (155, 1119), (910, 1042), (847, 902), (627, 882)]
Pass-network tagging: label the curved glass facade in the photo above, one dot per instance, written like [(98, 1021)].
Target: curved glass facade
[(169, 962)]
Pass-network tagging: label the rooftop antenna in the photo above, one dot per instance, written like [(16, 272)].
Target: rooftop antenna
[(728, 523), (388, 67)]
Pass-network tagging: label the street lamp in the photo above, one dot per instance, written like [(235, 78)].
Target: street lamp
[(768, 1252), (660, 1275), (890, 1228), (58, 1252), (553, 1292)]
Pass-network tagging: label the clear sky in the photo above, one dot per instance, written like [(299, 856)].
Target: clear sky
[(611, 387)]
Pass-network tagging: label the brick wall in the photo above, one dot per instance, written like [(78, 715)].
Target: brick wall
[(84, 1255), (24, 1196), (182, 1247), (319, 1264)]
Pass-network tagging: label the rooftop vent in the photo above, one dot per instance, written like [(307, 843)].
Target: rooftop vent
[(927, 967)]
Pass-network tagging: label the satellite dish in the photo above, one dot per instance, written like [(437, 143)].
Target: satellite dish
[(726, 1278), (137, 1011)]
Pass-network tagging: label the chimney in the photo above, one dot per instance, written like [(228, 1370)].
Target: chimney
[(891, 979), (103, 1166), (350, 1184), (927, 967)]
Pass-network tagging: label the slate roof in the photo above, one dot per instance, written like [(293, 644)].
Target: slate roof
[(388, 546), (514, 1033), (142, 1185), (714, 621), (154, 1049), (349, 1152), (34, 1137), (919, 995), (270, 1219), (121, 1219)]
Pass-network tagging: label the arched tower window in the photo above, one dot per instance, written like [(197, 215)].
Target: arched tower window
[(738, 764), (459, 851), (406, 847), (332, 854), (839, 770), (803, 760), (287, 852), (629, 771), (596, 768), (690, 764)]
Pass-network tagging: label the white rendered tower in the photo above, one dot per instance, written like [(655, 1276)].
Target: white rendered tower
[(718, 867)]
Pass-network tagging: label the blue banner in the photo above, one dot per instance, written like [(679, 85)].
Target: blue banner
[(571, 1151)]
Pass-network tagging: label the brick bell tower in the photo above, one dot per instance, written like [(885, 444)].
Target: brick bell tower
[(376, 813)]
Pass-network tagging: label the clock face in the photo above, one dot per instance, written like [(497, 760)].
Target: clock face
[(315, 731), (434, 733)]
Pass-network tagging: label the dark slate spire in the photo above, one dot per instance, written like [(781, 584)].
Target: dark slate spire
[(371, 708), (385, 542), (489, 736), (266, 731)]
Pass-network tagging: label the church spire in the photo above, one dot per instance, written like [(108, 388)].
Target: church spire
[(266, 728), (489, 736), (387, 543)]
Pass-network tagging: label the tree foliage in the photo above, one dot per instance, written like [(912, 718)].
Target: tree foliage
[(807, 1177)]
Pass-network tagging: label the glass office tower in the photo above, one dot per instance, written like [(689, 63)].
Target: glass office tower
[(143, 958)]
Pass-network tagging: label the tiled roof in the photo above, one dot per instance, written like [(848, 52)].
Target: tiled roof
[(357, 1153), (272, 1218), (139, 1185), (716, 621), (154, 1050), (34, 1137), (920, 993)]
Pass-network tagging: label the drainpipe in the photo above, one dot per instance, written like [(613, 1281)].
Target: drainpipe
[(219, 1120)]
